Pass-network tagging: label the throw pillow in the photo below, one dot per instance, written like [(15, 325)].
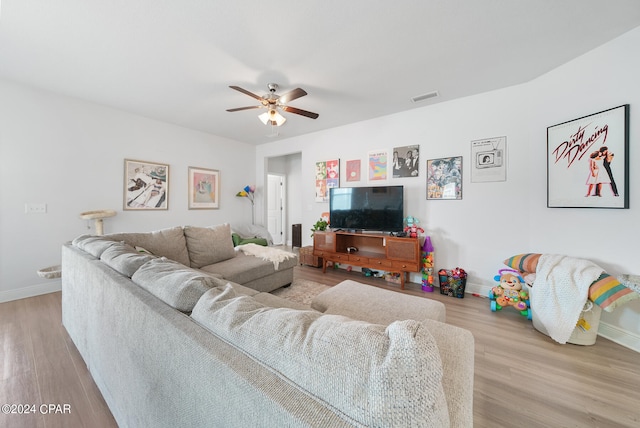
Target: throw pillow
[(239, 240), (608, 293), (374, 375), (175, 284), (527, 262), (209, 245)]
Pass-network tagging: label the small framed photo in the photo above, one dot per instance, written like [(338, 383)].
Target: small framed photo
[(146, 185), (353, 170), (204, 189), (444, 178), (406, 161), (587, 161)]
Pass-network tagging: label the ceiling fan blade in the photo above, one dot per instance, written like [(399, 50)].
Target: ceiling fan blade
[(292, 95), (243, 108), (244, 91), (300, 112)]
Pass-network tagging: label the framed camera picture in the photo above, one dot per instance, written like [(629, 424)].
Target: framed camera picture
[(488, 160), (587, 161), (146, 185)]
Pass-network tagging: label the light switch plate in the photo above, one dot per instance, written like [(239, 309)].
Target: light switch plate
[(35, 208)]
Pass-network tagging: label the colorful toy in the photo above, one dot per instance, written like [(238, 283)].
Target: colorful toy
[(510, 292), (427, 265), (412, 227)]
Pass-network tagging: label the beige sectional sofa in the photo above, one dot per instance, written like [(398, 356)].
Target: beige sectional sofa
[(171, 345), (209, 249)]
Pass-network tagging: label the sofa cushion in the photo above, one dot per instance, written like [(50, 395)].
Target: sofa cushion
[(243, 268), (94, 245), (175, 284), (124, 258), (270, 300), (209, 245), (169, 243), (374, 375)]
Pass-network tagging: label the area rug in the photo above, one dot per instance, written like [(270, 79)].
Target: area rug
[(301, 291)]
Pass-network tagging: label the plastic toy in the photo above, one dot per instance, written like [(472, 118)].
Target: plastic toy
[(412, 228), (510, 292), (427, 265)]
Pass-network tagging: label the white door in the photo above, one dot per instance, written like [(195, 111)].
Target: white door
[(275, 208)]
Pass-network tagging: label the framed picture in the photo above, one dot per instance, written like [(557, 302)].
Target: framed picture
[(353, 170), (587, 161), (489, 160), (444, 178), (146, 185), (327, 176), (406, 161), (204, 189), (378, 161)]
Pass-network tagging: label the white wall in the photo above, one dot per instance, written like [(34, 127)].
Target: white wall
[(70, 155), (496, 220)]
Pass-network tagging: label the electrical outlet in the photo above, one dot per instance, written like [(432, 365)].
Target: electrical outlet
[(35, 208)]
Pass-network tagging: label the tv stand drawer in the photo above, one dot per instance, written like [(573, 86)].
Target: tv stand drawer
[(381, 263), (358, 259), (406, 266)]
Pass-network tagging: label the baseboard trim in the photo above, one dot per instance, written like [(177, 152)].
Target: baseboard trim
[(619, 336), (31, 291), (608, 331)]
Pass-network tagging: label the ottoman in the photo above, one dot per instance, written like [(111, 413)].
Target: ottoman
[(376, 305)]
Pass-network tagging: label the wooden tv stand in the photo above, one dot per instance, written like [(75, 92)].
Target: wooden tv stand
[(374, 251)]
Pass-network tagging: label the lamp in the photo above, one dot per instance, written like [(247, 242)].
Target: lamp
[(272, 116), (248, 192)]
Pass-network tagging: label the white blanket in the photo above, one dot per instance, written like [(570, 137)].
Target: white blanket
[(269, 254), (560, 291)]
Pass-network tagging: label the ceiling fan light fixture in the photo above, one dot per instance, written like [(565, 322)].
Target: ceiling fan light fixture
[(272, 117)]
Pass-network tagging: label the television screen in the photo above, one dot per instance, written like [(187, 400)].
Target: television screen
[(367, 208)]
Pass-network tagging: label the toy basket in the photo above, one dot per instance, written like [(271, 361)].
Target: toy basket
[(452, 282), (586, 331)]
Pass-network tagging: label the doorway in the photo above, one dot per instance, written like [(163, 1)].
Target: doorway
[(275, 207)]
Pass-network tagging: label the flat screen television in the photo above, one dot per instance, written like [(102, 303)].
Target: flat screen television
[(377, 208)]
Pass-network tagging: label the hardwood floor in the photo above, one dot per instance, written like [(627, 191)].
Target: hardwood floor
[(522, 377), (40, 366)]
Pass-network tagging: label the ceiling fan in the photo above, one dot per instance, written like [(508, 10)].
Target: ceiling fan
[(272, 102)]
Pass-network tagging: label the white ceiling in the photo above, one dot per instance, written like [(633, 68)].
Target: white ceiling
[(173, 60)]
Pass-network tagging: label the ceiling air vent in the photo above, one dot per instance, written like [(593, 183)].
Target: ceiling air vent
[(425, 96)]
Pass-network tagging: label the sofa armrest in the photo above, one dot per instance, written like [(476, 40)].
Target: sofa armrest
[(456, 347)]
